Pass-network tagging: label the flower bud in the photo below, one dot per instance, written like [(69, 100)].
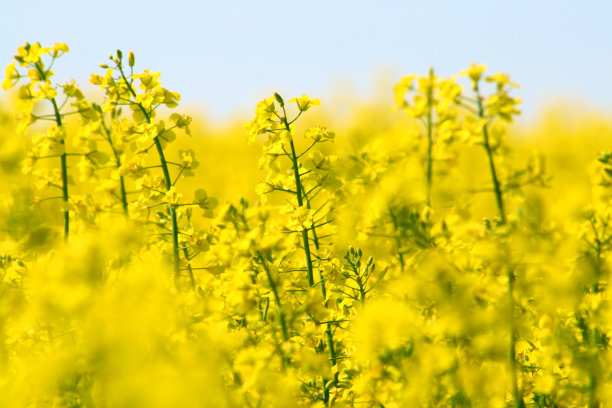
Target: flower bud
[(131, 59), (279, 99)]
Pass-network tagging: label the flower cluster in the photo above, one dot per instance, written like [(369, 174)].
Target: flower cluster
[(398, 260)]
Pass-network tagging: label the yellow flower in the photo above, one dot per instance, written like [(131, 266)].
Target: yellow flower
[(181, 122), (449, 93), (148, 80), (72, 90), (35, 75), (171, 98), (400, 89), (96, 79), (46, 91), (427, 83), (58, 49), (301, 219), (264, 119), (304, 102), (419, 106), (475, 71), (199, 241), (501, 80), (173, 197), (11, 76), (502, 105), (188, 162), (265, 108), (86, 169), (30, 54), (319, 134)]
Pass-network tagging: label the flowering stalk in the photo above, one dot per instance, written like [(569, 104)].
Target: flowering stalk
[(63, 156), (279, 310), (300, 195), (171, 208), (498, 105), (109, 139), (487, 145), (430, 100), (64, 168), (30, 55), (164, 167), (430, 142), (274, 122)]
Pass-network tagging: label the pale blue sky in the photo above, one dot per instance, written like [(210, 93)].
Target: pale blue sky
[(226, 55)]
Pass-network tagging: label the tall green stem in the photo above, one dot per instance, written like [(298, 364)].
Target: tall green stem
[(315, 241), (299, 189), (279, 310), (516, 393), (63, 158), (300, 197), (496, 184), (123, 198), (593, 402), (167, 179), (64, 164), (429, 136), (168, 182)]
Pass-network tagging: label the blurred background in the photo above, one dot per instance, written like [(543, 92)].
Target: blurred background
[(224, 56)]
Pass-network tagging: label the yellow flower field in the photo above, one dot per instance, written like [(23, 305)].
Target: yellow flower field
[(429, 253)]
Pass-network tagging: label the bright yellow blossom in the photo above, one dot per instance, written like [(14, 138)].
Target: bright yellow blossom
[(11, 76), (304, 102)]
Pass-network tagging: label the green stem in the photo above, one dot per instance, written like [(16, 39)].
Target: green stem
[(306, 243), (63, 158), (124, 201), (593, 403), (362, 291), (429, 136), (64, 164), (315, 240), (190, 270), (298, 187), (398, 242), (167, 179), (496, 184), (279, 311), (516, 393), (328, 333), (330, 345), (123, 195)]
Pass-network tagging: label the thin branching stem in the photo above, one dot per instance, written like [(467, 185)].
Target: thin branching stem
[(123, 197), (167, 180), (299, 189), (63, 158), (430, 141), (496, 184), (516, 393)]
